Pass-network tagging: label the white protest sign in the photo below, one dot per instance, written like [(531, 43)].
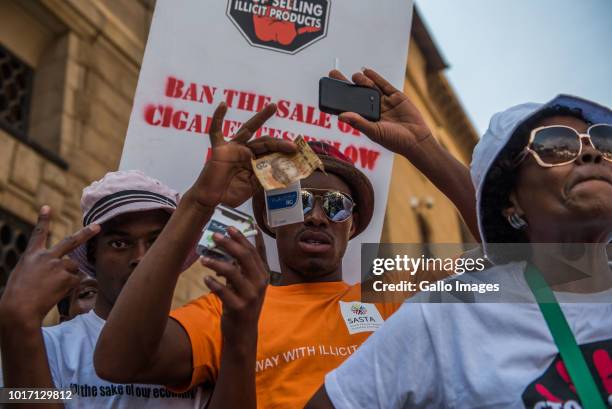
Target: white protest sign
[(252, 52)]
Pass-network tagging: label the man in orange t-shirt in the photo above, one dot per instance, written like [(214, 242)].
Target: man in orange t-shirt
[(311, 321)]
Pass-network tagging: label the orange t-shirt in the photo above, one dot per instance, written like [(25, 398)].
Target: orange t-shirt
[(304, 333)]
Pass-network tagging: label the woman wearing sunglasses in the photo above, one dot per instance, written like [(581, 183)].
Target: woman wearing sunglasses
[(542, 174)]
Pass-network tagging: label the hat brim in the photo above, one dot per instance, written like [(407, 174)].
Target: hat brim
[(361, 190), (79, 255)]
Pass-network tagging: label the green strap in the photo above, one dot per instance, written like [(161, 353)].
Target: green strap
[(564, 338)]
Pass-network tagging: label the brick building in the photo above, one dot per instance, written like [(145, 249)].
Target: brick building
[(68, 72)]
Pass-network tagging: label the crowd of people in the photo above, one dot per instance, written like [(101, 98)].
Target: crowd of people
[(542, 173)]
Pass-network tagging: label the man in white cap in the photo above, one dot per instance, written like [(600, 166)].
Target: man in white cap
[(124, 212)]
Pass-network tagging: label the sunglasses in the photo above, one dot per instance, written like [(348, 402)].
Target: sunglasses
[(559, 145), (336, 205)]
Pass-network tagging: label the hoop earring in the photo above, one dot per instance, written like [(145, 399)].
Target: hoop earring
[(516, 221)]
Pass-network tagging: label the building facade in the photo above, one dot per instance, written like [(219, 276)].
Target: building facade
[(68, 73)]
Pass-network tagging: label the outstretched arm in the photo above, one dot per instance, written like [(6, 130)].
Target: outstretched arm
[(242, 298), (41, 278), (139, 343), (403, 130)]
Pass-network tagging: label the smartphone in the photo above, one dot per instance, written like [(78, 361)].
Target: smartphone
[(222, 218), (336, 97)]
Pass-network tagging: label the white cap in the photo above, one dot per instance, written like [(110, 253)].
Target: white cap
[(121, 192), (502, 128)]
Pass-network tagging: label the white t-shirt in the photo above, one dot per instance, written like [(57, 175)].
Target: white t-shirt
[(480, 355), (70, 349)]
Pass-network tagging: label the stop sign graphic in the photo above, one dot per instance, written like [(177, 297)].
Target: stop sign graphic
[(287, 26)]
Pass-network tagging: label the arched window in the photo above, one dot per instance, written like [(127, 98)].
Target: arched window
[(15, 93)]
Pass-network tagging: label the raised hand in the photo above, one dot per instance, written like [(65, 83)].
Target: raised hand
[(242, 297), (228, 176), (243, 294), (402, 130), (401, 124), (43, 276)]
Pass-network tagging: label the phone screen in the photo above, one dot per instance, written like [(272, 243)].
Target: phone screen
[(337, 96)]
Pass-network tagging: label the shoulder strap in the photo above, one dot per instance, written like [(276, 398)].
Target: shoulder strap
[(564, 338)]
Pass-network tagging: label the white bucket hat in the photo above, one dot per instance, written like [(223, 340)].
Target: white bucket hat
[(119, 193), (501, 130)]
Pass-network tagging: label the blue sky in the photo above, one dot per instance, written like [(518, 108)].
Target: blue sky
[(502, 52)]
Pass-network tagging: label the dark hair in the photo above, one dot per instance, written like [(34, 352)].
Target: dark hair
[(501, 180)]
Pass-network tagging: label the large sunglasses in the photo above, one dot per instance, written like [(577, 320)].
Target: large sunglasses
[(336, 205), (559, 145)]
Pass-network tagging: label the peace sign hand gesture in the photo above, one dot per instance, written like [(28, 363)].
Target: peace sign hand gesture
[(228, 175), (42, 276)]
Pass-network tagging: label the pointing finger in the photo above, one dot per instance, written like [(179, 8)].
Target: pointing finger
[(216, 126), (251, 126), (72, 242), (38, 239)]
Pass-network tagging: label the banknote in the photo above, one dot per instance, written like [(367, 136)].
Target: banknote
[(278, 170)]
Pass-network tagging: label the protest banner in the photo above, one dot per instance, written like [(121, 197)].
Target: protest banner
[(249, 53)]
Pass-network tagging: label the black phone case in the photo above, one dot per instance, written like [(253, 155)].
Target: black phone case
[(371, 116)]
